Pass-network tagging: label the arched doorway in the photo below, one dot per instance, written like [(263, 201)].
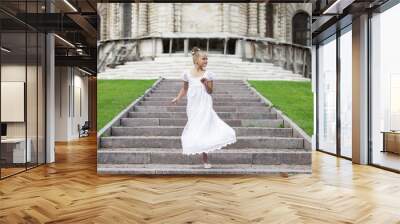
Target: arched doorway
[(301, 28)]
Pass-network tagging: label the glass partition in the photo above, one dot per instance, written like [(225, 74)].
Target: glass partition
[(385, 89), (22, 88), (327, 95), (346, 92), (15, 150)]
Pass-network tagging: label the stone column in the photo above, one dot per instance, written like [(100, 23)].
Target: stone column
[(177, 17), (134, 25), (143, 23), (186, 46), (225, 45), (154, 47), (126, 20), (118, 20), (226, 24), (102, 8), (242, 26), (252, 17), (139, 19), (269, 18), (261, 19), (280, 22), (243, 49), (170, 46), (109, 21), (114, 23), (253, 51)]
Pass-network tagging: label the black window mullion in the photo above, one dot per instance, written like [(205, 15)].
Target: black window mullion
[(26, 86), (37, 90), (369, 88), (0, 97), (338, 73), (317, 96)]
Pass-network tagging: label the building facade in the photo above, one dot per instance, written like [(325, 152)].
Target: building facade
[(278, 33)]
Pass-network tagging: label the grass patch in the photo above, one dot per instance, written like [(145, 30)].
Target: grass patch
[(115, 95), (293, 98)]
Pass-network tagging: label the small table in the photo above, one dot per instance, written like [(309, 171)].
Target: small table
[(391, 141), (16, 146)]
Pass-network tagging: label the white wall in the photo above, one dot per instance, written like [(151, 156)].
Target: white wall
[(15, 72), (61, 103), (69, 82)]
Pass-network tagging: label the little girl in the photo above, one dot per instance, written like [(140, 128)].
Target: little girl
[(205, 131)]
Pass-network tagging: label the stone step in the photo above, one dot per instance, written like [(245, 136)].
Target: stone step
[(186, 64), (233, 109), (148, 141), (134, 122), (218, 69), (215, 91), (233, 95), (175, 142), (221, 156), (215, 99), (167, 68), (222, 115), (216, 88), (220, 72), (177, 131), (215, 57), (181, 103), (198, 169), (240, 76), (179, 83), (219, 81), (227, 85)]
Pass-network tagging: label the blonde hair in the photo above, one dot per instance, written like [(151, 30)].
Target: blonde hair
[(196, 54)]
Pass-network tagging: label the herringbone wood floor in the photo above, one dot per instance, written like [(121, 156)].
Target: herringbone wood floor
[(70, 191)]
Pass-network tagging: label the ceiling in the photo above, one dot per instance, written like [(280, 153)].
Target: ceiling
[(74, 22), (331, 15)]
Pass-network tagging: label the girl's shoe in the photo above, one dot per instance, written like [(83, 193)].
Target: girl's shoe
[(207, 165)]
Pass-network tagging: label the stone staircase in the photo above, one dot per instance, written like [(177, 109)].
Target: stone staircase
[(225, 67), (147, 141)]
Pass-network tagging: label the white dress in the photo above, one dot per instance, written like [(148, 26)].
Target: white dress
[(204, 131)]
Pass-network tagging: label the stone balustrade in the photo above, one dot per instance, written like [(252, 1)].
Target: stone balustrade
[(292, 57)]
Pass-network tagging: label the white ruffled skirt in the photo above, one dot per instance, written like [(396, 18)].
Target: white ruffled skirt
[(204, 131)]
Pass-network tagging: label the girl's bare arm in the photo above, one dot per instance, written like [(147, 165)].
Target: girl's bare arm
[(208, 84), (183, 90)]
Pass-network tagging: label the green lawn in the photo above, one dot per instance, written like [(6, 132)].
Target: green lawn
[(115, 95), (293, 98)]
